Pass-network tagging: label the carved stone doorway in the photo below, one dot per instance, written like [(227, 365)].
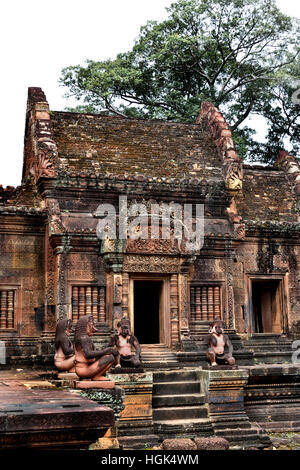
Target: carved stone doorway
[(148, 309), (267, 306)]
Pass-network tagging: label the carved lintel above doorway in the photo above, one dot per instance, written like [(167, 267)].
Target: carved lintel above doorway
[(151, 264)]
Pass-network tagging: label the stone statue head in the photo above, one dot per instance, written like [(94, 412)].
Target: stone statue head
[(63, 327), (85, 326), (217, 327), (124, 327)]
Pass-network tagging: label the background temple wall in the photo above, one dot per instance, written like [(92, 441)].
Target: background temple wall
[(22, 264)]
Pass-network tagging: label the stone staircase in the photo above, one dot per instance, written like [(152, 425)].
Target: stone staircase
[(179, 408), (269, 348), (158, 356)]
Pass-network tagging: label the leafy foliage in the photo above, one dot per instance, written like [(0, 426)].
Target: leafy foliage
[(238, 54)]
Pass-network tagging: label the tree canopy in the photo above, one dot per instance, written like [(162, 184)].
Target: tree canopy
[(241, 55)]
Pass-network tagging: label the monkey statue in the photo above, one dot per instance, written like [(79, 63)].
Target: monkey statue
[(89, 362), (124, 341), (217, 342), (64, 357)]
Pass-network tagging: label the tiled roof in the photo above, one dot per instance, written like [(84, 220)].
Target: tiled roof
[(116, 145), (266, 195)]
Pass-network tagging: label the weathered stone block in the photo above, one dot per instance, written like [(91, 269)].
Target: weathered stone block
[(211, 443), (138, 395), (113, 398), (94, 384), (179, 444), (225, 397)]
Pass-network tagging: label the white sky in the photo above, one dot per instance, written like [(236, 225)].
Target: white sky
[(39, 38)]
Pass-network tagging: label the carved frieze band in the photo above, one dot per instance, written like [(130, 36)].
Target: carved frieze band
[(151, 264)]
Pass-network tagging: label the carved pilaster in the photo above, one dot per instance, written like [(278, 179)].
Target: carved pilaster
[(62, 306), (117, 298), (174, 309), (51, 282), (125, 295), (183, 305), (62, 297), (109, 298), (230, 303), (230, 320)]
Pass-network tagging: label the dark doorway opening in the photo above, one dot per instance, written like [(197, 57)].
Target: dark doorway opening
[(267, 306), (147, 311)]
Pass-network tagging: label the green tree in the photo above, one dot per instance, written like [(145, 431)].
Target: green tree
[(238, 54)]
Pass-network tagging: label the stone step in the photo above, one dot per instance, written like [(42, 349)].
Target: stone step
[(272, 357), (157, 360), (273, 353), (176, 388), (238, 423), (267, 336), (273, 342), (182, 425), (270, 339), (177, 376), (178, 400), (268, 347), (161, 365), (237, 434), (158, 357), (157, 351), (175, 413)]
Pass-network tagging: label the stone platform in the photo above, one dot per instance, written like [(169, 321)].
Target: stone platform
[(272, 396), (94, 384), (34, 414), (243, 405), (224, 391), (135, 425)]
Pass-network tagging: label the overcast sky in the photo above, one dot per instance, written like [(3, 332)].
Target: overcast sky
[(39, 38)]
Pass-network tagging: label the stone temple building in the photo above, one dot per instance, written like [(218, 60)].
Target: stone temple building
[(53, 264)]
